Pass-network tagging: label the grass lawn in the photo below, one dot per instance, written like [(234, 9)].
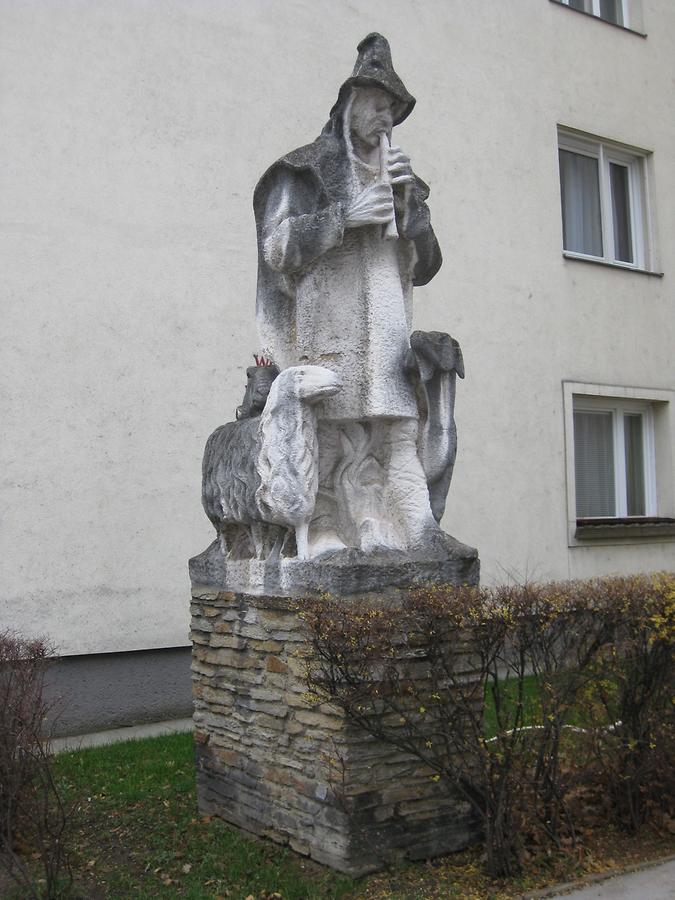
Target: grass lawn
[(508, 689), (137, 834), (532, 704)]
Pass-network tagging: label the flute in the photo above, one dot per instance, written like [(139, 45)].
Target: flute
[(390, 231)]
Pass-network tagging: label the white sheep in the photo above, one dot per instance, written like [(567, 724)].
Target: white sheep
[(264, 471)]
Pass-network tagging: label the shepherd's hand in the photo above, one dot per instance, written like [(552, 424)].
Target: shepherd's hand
[(399, 168), (373, 206)]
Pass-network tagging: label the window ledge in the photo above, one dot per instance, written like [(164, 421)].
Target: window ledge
[(605, 262), (583, 12), (632, 526)]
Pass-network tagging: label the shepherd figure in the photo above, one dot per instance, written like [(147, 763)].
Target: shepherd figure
[(344, 233)]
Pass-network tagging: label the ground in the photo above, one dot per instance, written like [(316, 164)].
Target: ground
[(137, 834)]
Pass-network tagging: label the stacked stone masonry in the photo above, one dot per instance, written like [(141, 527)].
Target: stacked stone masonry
[(274, 762)]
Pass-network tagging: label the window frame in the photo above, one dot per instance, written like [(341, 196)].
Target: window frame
[(660, 483), (607, 153)]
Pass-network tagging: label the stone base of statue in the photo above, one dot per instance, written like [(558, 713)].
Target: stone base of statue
[(343, 573), (272, 762)]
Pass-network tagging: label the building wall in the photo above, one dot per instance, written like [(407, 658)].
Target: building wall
[(133, 135), (95, 692)]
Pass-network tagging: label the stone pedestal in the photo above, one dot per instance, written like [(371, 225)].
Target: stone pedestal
[(271, 761)]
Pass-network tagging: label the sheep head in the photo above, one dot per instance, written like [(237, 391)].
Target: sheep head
[(258, 383), (308, 384)]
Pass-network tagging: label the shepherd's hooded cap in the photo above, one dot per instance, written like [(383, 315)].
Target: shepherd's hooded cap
[(374, 69)]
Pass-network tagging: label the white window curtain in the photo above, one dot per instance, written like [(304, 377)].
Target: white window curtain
[(635, 465), (594, 463), (580, 194), (611, 11), (623, 238)]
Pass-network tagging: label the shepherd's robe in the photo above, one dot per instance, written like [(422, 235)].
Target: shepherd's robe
[(338, 297)]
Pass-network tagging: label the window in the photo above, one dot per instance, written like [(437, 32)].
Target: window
[(603, 196), (615, 11), (618, 461), (613, 458)]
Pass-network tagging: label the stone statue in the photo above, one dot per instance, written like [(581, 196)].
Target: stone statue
[(331, 483), (344, 234), (260, 473), (347, 440)]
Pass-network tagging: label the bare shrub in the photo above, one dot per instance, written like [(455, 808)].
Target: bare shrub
[(628, 703), (484, 687), (33, 818), (415, 676)]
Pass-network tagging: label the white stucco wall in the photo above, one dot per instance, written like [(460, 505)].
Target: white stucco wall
[(132, 136)]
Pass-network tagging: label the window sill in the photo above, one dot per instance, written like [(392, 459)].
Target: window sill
[(605, 262), (631, 527), (582, 12)]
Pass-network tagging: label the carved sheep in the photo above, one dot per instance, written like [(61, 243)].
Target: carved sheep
[(264, 470)]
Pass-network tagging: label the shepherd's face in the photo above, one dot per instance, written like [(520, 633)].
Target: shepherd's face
[(372, 113)]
